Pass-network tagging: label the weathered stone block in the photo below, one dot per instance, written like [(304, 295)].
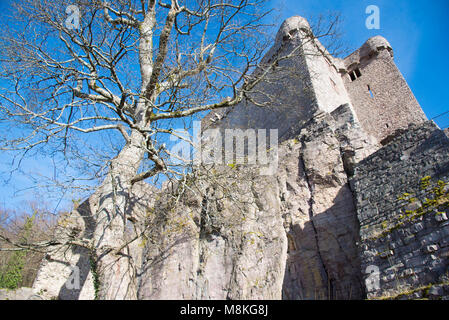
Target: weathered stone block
[(431, 248), (441, 217)]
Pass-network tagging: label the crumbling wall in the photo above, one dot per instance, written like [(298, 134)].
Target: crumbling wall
[(402, 210)]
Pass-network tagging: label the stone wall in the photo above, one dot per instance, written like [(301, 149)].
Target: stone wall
[(285, 99), (311, 80), (404, 230)]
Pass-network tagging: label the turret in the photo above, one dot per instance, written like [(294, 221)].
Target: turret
[(291, 28)]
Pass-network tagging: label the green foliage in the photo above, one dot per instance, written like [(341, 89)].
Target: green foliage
[(93, 269), (11, 275)]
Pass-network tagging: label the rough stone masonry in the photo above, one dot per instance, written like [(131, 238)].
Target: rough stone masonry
[(402, 210), (327, 224)]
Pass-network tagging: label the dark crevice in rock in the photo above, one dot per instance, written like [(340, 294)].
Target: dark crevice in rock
[(311, 216)]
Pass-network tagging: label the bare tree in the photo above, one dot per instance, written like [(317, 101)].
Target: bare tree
[(78, 73)]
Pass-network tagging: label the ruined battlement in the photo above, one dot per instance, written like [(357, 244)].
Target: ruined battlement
[(369, 50), (291, 28)]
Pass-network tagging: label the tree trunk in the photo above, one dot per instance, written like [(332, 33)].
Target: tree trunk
[(114, 272)]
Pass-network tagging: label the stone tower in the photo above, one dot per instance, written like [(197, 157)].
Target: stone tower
[(379, 93), (309, 80)]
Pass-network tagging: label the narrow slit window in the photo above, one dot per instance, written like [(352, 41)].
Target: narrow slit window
[(370, 92)]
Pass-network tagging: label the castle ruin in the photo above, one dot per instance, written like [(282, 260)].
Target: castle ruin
[(353, 139)]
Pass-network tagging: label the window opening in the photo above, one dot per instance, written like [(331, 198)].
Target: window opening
[(355, 74)]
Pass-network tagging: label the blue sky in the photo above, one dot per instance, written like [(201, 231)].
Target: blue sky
[(417, 31)]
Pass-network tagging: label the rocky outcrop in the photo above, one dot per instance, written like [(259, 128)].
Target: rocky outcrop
[(320, 215), (234, 234), (19, 294), (222, 238), (227, 232)]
